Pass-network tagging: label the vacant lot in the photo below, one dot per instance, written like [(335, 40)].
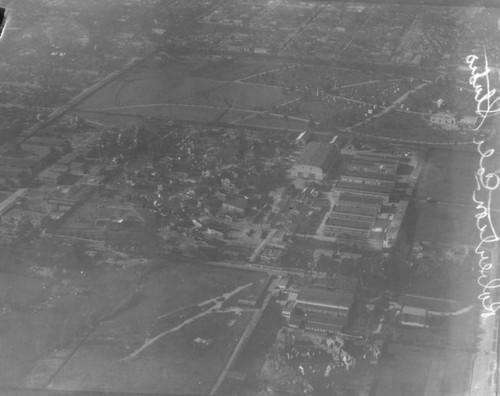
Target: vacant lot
[(447, 224), (148, 328), (448, 176), (225, 69), (415, 371), (275, 121), (171, 91)]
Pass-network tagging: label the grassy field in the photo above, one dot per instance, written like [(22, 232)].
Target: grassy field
[(450, 225), (170, 91), (448, 176), (234, 69), (176, 365), (173, 112), (414, 371), (71, 329), (275, 121)]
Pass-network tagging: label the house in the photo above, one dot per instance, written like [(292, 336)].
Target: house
[(213, 233), (235, 206), (315, 161), (468, 122), (444, 120), (271, 255), (283, 282), (288, 309)]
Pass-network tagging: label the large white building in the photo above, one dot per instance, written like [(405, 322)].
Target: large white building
[(315, 161)]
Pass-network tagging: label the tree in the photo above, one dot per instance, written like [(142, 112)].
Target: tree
[(25, 228)]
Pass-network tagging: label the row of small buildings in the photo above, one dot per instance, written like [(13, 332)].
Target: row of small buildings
[(365, 189)]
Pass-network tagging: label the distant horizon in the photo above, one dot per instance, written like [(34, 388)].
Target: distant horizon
[(439, 3)]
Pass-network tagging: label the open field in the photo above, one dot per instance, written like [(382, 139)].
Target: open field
[(275, 121), (73, 330), (174, 365), (235, 69), (169, 91), (447, 224), (415, 371), (448, 176), (172, 112)]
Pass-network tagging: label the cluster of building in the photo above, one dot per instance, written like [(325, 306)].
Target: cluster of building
[(45, 176), (354, 32), (367, 201), (367, 196), (315, 161), (450, 122), (326, 307)]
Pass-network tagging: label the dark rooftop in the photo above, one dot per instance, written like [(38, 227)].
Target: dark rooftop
[(369, 175), (359, 198), (385, 188), (326, 298), (349, 223), (315, 154)]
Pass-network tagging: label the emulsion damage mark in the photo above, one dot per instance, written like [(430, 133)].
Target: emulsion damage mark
[(3, 19)]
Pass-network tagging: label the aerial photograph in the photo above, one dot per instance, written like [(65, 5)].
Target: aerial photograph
[(249, 197)]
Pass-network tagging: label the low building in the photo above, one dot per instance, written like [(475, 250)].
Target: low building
[(287, 309), (283, 282), (235, 206), (315, 161), (327, 302), (16, 215), (372, 162), (61, 145), (214, 234), (468, 122), (371, 178), (359, 204), (28, 163), (8, 203), (383, 190), (271, 255), (444, 120), (412, 316), (63, 199), (322, 323), (352, 225), (53, 175)]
